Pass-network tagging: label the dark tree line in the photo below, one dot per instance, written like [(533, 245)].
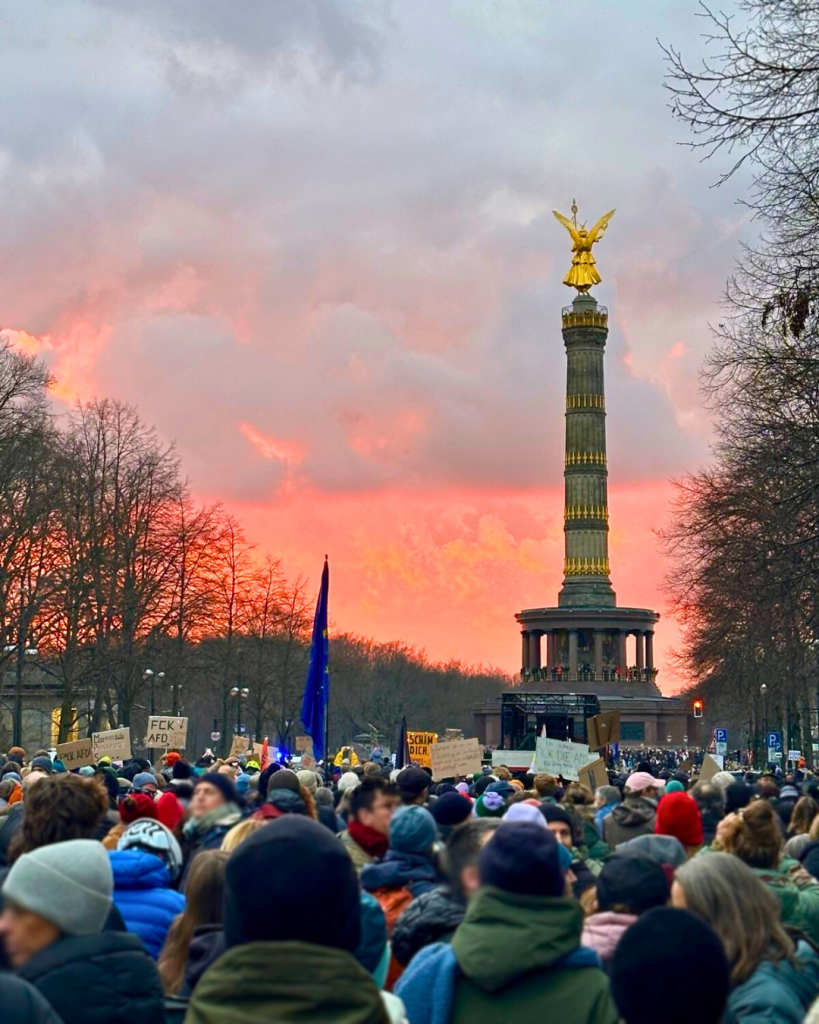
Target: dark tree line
[(745, 532)]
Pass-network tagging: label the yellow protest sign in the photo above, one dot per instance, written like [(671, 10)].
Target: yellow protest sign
[(420, 744)]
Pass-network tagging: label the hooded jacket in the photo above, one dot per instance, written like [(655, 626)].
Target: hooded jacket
[(797, 893), (143, 896), (515, 958), (285, 982), (602, 932), (433, 917), (776, 991), (397, 869), (635, 816), (98, 979)]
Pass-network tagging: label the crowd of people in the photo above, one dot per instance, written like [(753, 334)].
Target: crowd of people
[(219, 892)]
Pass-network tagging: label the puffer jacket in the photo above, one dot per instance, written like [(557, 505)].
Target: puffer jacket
[(603, 931), (433, 917), (143, 895), (776, 992), (98, 979), (635, 816), (415, 871), (23, 1004)]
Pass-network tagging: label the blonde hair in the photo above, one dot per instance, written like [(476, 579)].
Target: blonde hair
[(803, 816), (237, 835), (754, 835), (739, 907)]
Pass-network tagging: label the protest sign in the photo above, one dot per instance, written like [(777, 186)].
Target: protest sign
[(594, 774), (240, 745), (455, 757), (76, 754), (304, 744), (557, 757), (710, 767), (308, 762), (686, 765), (604, 729), (166, 732), (113, 743), (419, 746)]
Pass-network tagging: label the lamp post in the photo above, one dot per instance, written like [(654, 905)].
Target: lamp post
[(149, 677), (764, 691), (23, 649), (239, 692)]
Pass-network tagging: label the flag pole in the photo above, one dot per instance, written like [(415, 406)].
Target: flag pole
[(328, 775)]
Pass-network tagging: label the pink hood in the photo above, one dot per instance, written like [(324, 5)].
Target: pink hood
[(602, 932)]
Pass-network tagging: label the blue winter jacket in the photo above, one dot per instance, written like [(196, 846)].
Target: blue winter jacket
[(777, 993), (143, 895), (414, 870)]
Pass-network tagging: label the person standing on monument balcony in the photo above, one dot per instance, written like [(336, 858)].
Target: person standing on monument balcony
[(637, 814)]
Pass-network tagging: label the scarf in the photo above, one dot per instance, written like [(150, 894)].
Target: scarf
[(374, 843), (228, 814)]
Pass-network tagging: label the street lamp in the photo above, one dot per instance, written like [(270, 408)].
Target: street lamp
[(764, 691), (239, 692)]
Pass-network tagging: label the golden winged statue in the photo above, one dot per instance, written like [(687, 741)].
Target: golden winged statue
[(583, 273)]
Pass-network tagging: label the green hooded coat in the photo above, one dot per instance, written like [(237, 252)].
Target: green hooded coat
[(507, 948), (798, 894), (286, 983)]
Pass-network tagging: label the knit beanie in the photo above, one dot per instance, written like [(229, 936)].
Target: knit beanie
[(413, 781), (43, 764), (522, 858), (678, 815), (348, 781), (482, 784), (136, 805), (669, 965), (223, 784), (172, 758), (69, 884), (525, 812), (506, 789), (412, 830), (490, 805), (673, 786), (737, 796), (144, 779), (451, 809), (553, 812), (169, 810), (87, 770), (242, 783), (637, 883), (292, 881), (307, 779), (809, 856), (181, 770)]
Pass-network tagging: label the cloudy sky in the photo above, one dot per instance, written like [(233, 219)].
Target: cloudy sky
[(312, 241)]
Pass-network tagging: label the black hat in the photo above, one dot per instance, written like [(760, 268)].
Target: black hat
[(181, 770), (552, 812), (292, 881), (522, 857), (223, 784), (737, 796), (413, 781), (451, 809), (670, 966), (483, 783), (634, 883), (809, 856)]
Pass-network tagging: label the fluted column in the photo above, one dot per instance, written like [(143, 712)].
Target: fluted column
[(534, 650), (650, 651), (524, 657), (622, 660), (572, 654), (641, 661), (598, 654)]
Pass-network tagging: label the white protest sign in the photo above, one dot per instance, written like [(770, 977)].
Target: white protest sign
[(455, 757), (166, 732), (113, 743), (557, 757), (76, 753)]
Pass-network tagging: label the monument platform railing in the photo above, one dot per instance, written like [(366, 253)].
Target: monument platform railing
[(599, 318), (563, 675)]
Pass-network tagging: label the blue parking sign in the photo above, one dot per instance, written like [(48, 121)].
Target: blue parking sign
[(721, 735), (775, 740)]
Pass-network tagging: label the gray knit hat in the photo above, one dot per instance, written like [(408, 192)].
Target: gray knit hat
[(69, 884)]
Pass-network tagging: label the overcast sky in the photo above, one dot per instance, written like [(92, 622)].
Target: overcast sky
[(312, 241)]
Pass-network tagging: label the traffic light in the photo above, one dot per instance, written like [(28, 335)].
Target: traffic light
[(698, 709)]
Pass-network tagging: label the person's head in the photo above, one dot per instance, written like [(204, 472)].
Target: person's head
[(61, 889), (544, 785), (451, 811), (211, 792), (767, 788), (606, 796), (239, 833), (710, 798), (678, 815), (737, 796), (412, 830), (413, 784), (631, 885), (669, 966), (577, 796), (59, 808), (153, 837), (146, 781), (803, 815), (641, 784), (373, 803), (754, 835), (524, 859), (560, 824), (204, 891), (310, 892), (727, 894), (134, 806), (463, 848)]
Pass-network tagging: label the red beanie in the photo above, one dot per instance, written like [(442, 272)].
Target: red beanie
[(169, 810), (136, 805), (679, 816), (172, 757)]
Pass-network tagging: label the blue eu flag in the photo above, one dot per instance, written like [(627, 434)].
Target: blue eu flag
[(317, 689)]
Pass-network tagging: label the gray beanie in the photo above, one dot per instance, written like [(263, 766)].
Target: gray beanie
[(69, 884), (308, 779)]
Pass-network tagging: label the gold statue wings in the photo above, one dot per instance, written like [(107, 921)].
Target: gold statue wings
[(592, 236)]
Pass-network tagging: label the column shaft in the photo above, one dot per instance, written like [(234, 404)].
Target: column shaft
[(650, 651), (641, 660), (524, 658), (573, 654), (622, 658), (534, 650), (598, 654)]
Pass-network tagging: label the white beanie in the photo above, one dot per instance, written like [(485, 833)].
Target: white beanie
[(69, 884), (348, 782)]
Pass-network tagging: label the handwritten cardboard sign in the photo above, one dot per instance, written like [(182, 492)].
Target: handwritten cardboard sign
[(594, 774), (240, 745), (557, 757), (304, 744), (604, 729), (419, 746), (710, 767), (76, 754), (113, 743), (167, 732), (455, 757)]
